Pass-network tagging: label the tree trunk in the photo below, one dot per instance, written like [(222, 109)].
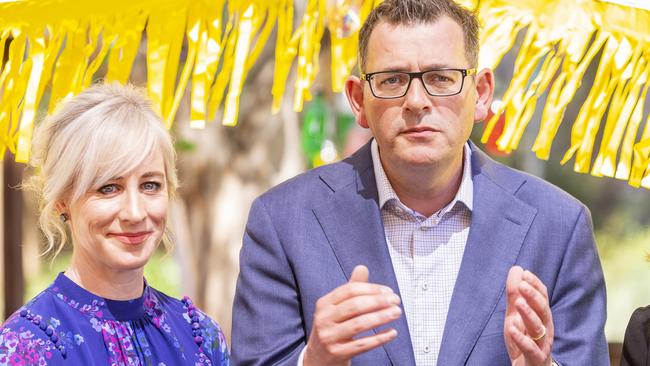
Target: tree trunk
[(219, 180), (12, 235)]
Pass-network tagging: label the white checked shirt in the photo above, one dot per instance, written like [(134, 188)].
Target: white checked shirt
[(426, 253)]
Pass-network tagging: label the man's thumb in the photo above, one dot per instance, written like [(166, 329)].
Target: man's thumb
[(359, 274)]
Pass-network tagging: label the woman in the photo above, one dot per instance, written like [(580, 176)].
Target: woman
[(637, 339), (105, 175)]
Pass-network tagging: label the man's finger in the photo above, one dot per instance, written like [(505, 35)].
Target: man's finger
[(537, 301), (359, 305), (513, 350), (534, 281), (531, 351), (359, 274), (534, 325), (367, 321), (512, 287), (350, 290), (364, 344)]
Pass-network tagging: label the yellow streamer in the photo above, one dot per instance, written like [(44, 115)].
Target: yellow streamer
[(625, 160), (37, 45), (285, 51), (166, 27), (243, 45), (621, 107), (564, 88), (64, 43)]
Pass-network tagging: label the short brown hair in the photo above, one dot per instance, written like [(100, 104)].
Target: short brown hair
[(422, 11)]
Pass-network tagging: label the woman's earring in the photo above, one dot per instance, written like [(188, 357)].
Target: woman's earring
[(64, 217)]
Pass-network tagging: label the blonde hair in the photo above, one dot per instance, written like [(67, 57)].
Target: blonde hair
[(104, 132)]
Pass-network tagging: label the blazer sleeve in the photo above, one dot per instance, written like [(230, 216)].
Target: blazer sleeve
[(578, 300), (637, 335), (267, 322)]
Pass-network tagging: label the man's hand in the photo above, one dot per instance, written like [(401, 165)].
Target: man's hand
[(345, 312), (528, 325)]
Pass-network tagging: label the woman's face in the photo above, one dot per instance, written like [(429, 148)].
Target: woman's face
[(118, 226)]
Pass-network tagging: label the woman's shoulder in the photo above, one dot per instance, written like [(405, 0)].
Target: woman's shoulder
[(205, 331), (637, 338), (29, 335), (33, 314), (641, 315), (639, 326), (183, 307)]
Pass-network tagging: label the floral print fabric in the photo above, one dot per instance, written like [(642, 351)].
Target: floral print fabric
[(67, 325)]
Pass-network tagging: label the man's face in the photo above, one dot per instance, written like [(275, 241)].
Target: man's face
[(419, 130)]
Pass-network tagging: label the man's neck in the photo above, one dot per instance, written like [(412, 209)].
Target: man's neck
[(425, 190)]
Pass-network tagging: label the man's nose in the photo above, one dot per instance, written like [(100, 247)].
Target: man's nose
[(417, 98)]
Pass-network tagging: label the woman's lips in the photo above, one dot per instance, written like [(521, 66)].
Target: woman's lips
[(131, 238)]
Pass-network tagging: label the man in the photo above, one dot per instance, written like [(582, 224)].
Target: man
[(411, 250)]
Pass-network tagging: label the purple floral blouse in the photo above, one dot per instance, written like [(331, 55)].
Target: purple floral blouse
[(67, 325)]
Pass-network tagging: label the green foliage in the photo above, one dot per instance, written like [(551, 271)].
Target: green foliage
[(162, 272), (182, 145), (624, 251)]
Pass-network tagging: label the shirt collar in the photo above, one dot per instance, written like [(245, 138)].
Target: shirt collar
[(386, 192)]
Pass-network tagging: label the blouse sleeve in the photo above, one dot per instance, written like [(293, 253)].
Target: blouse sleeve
[(215, 342), (24, 343), (635, 345)]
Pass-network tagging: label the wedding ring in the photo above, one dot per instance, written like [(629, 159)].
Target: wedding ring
[(541, 335)]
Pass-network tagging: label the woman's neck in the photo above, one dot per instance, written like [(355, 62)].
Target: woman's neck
[(107, 283)]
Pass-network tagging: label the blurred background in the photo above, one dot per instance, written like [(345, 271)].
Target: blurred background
[(222, 169)]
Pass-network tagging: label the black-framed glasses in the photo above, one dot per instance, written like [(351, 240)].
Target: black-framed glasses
[(437, 83)]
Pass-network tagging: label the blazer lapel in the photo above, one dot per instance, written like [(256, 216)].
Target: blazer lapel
[(352, 223), (499, 225)]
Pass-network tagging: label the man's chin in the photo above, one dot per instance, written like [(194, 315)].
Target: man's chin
[(422, 157)]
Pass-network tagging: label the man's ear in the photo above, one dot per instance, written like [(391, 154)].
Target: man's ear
[(485, 92), (354, 92)]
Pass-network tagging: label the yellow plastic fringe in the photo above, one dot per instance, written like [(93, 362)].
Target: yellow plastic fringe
[(62, 44), (562, 39)]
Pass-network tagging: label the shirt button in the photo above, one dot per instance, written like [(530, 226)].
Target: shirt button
[(426, 349), (425, 286)]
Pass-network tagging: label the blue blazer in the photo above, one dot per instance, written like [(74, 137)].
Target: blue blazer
[(304, 237)]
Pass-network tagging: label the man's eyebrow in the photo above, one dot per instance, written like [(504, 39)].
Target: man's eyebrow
[(438, 66), (424, 69)]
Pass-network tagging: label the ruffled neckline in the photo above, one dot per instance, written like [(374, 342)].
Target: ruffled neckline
[(98, 307)]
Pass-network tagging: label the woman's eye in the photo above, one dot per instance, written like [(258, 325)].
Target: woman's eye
[(108, 189), (151, 186)]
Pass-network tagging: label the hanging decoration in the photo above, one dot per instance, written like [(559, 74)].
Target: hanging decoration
[(54, 48), (562, 38)]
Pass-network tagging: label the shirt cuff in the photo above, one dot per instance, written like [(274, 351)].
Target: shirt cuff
[(302, 356)]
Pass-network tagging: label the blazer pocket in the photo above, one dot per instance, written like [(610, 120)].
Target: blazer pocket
[(495, 324), (489, 350)]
